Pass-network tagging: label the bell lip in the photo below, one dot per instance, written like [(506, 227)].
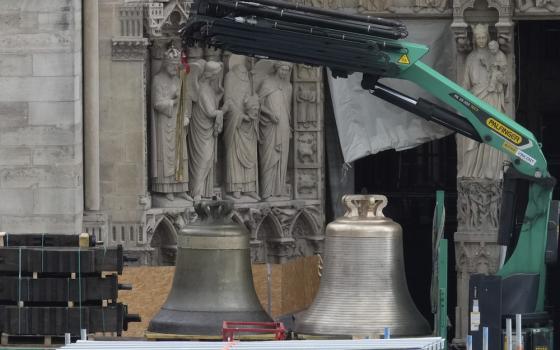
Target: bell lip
[(327, 334), (190, 322)]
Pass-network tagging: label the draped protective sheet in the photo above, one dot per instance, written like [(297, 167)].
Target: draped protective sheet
[(367, 125)]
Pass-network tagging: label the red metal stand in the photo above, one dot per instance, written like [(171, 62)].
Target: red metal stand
[(229, 328)]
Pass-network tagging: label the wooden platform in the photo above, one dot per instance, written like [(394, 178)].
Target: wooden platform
[(186, 337)]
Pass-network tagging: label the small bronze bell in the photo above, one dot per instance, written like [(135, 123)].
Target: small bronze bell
[(363, 288), (213, 281)]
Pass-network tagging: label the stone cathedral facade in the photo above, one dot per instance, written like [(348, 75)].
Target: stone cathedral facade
[(119, 145), (271, 166)]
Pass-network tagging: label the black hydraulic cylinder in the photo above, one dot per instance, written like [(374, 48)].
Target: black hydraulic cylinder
[(425, 109)]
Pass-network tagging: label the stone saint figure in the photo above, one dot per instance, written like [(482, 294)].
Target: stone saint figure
[(275, 94), (240, 132), (169, 148), (485, 78), (205, 125), (306, 100)]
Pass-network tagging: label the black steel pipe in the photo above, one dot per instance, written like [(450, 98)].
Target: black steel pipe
[(331, 13), (256, 41), (329, 33), (327, 23)]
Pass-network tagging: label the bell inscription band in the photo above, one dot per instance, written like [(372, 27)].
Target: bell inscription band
[(363, 288), (213, 281)]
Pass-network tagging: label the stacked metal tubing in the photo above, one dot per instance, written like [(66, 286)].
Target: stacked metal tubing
[(279, 30), (363, 344)]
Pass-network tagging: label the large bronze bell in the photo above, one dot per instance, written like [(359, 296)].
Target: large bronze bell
[(213, 280), (363, 288)]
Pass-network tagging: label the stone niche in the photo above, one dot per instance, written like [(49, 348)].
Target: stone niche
[(248, 130)]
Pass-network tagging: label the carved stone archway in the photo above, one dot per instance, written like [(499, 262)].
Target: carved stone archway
[(270, 230), (164, 243), (305, 232)]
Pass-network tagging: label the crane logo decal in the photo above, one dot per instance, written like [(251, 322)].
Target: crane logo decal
[(504, 131)]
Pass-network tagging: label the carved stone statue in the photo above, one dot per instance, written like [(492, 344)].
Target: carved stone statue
[(241, 130), (307, 111), (497, 68), (169, 148), (206, 123), (275, 94), (485, 78)]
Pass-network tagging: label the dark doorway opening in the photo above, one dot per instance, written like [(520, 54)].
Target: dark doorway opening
[(538, 98), (410, 179)]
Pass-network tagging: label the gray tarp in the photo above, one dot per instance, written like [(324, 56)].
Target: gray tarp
[(367, 125)]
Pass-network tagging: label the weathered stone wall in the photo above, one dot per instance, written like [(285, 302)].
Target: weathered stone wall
[(122, 141), (40, 116)]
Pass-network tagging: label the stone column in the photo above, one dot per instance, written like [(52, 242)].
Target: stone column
[(91, 104), (479, 186)]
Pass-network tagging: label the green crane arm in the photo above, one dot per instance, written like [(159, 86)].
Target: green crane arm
[(506, 135)]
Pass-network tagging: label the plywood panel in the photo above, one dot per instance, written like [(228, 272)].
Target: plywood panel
[(293, 286)]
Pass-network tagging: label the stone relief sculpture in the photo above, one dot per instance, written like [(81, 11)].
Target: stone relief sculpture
[(275, 94), (205, 125), (170, 156), (306, 103), (315, 3), (306, 148), (334, 4), (438, 5), (485, 77), (479, 207), (548, 5), (375, 5), (241, 130), (306, 72)]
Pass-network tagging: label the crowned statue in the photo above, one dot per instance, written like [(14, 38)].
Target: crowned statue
[(169, 130)]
